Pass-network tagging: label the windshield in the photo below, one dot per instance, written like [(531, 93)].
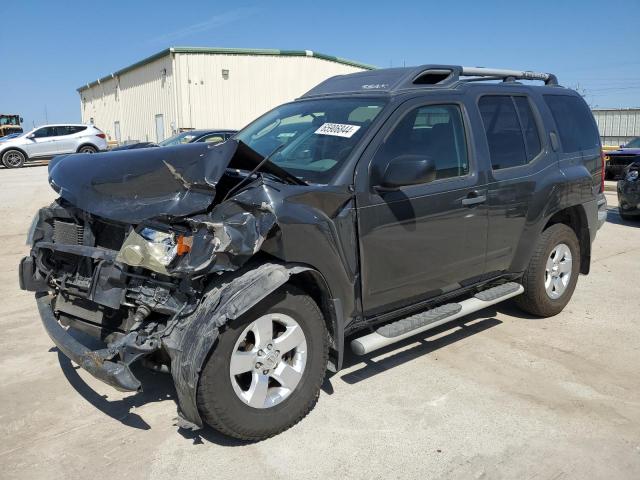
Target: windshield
[(635, 143), (9, 120), (178, 139), (312, 138)]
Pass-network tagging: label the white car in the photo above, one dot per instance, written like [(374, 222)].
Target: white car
[(51, 140)]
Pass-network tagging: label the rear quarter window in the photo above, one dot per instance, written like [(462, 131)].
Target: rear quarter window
[(576, 128)]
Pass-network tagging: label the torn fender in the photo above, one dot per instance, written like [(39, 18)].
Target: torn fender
[(190, 343)]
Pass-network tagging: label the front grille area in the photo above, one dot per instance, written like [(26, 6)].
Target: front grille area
[(108, 235), (67, 233)]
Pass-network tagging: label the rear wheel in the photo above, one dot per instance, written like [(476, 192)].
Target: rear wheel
[(13, 159), (87, 149), (265, 373), (552, 273)]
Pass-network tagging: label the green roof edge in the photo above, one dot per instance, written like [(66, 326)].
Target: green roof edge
[(228, 51)]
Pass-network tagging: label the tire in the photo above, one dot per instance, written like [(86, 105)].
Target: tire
[(87, 149), (13, 159), (219, 393), (541, 298)]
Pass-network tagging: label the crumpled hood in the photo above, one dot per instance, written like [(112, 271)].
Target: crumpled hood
[(134, 185)]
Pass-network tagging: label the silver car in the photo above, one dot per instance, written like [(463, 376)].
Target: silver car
[(50, 140)]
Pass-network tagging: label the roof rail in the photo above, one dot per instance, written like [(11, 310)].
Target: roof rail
[(390, 80), (499, 73)]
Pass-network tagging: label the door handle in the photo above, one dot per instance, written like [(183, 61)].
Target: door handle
[(474, 198)]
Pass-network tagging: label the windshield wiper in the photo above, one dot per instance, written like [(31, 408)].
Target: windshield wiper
[(255, 169)]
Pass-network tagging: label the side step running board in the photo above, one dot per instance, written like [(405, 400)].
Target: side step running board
[(423, 321)]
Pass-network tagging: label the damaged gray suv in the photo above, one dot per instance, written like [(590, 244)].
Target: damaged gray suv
[(375, 207)]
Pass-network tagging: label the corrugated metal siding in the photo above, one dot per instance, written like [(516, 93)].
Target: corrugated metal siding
[(255, 84), (618, 126), (133, 99)]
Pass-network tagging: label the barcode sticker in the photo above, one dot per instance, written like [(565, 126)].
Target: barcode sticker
[(337, 130)]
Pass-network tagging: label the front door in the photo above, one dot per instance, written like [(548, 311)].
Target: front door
[(424, 240), (42, 142)]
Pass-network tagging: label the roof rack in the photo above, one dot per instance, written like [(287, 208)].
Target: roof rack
[(390, 80), (509, 75)]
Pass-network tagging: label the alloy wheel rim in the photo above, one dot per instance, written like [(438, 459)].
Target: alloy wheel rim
[(268, 360), (14, 159), (557, 274), (86, 150)]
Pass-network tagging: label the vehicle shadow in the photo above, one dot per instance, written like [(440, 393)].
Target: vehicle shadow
[(158, 387), (460, 329), (613, 216)]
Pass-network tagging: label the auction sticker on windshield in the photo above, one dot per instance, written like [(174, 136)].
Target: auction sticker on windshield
[(337, 130)]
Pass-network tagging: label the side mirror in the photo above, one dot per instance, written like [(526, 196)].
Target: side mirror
[(31, 136), (406, 170)]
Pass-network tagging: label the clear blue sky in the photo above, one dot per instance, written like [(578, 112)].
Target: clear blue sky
[(48, 49)]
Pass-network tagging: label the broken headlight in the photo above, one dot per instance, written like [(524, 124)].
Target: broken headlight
[(632, 176), (153, 249)]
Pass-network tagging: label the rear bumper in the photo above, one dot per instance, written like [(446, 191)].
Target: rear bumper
[(96, 362)]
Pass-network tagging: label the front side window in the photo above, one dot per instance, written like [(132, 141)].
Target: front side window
[(511, 130), (312, 139), (435, 131), (576, 127), (45, 132)]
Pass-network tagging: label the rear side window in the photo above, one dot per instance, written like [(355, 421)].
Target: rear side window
[(68, 129), (576, 127), (512, 133)]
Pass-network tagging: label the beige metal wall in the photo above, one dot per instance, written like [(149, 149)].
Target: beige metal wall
[(617, 125), (255, 84), (134, 99)]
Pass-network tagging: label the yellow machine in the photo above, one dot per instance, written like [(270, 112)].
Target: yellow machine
[(10, 124)]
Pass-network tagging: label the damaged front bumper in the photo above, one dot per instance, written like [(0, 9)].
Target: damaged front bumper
[(99, 363)]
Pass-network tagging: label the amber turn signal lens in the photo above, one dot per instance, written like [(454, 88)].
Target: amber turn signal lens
[(183, 245)]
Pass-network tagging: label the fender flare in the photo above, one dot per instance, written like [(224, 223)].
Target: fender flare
[(191, 341)]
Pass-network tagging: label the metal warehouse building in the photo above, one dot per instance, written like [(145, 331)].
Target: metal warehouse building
[(617, 125), (184, 88)]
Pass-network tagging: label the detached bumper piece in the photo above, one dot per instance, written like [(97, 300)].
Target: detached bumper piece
[(99, 363)]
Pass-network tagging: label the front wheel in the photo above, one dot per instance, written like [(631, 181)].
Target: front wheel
[(265, 373), (13, 159), (552, 273)]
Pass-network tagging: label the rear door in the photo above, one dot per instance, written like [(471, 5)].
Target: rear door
[(66, 140), (524, 170), (423, 240)]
